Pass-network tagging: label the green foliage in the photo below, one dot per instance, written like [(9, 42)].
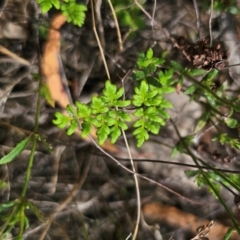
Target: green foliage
[(148, 97), (180, 147), (108, 112), (223, 138), (216, 178), (203, 179), (13, 215), (128, 14), (74, 12), (151, 111), (222, 6), (231, 122), (15, 151), (204, 88), (202, 121), (229, 233), (193, 72), (104, 112), (229, 6), (45, 93), (216, 98), (46, 5), (146, 111), (146, 68), (61, 120)]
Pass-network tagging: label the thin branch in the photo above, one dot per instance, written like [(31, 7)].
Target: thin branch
[(233, 65), (116, 63), (98, 4), (164, 31), (117, 26), (153, 12), (210, 23), (197, 16), (4, 4), (14, 56), (137, 188), (141, 176), (152, 23), (128, 237), (98, 41), (182, 164)]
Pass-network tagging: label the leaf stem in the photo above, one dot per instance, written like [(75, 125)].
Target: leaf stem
[(34, 144), (222, 100)]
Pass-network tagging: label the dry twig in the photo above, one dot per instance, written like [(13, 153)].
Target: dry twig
[(98, 41)]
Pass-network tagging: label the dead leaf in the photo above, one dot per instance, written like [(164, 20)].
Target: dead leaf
[(156, 212), (50, 64)]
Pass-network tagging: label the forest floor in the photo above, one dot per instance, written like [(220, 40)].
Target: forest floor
[(104, 206)]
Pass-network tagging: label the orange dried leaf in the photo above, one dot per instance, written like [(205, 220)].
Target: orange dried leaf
[(50, 64)]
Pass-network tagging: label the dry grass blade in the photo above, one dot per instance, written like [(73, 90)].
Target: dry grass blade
[(99, 43), (197, 16), (210, 22), (14, 56), (117, 26)]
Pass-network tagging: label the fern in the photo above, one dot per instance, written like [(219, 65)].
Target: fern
[(109, 114), (46, 5), (74, 12)]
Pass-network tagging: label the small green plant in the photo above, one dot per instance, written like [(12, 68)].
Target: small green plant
[(223, 138), (215, 99), (222, 6), (16, 151), (109, 112), (74, 12), (218, 180), (13, 215), (206, 93)]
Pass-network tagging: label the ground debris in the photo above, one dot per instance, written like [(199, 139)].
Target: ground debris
[(201, 55)]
